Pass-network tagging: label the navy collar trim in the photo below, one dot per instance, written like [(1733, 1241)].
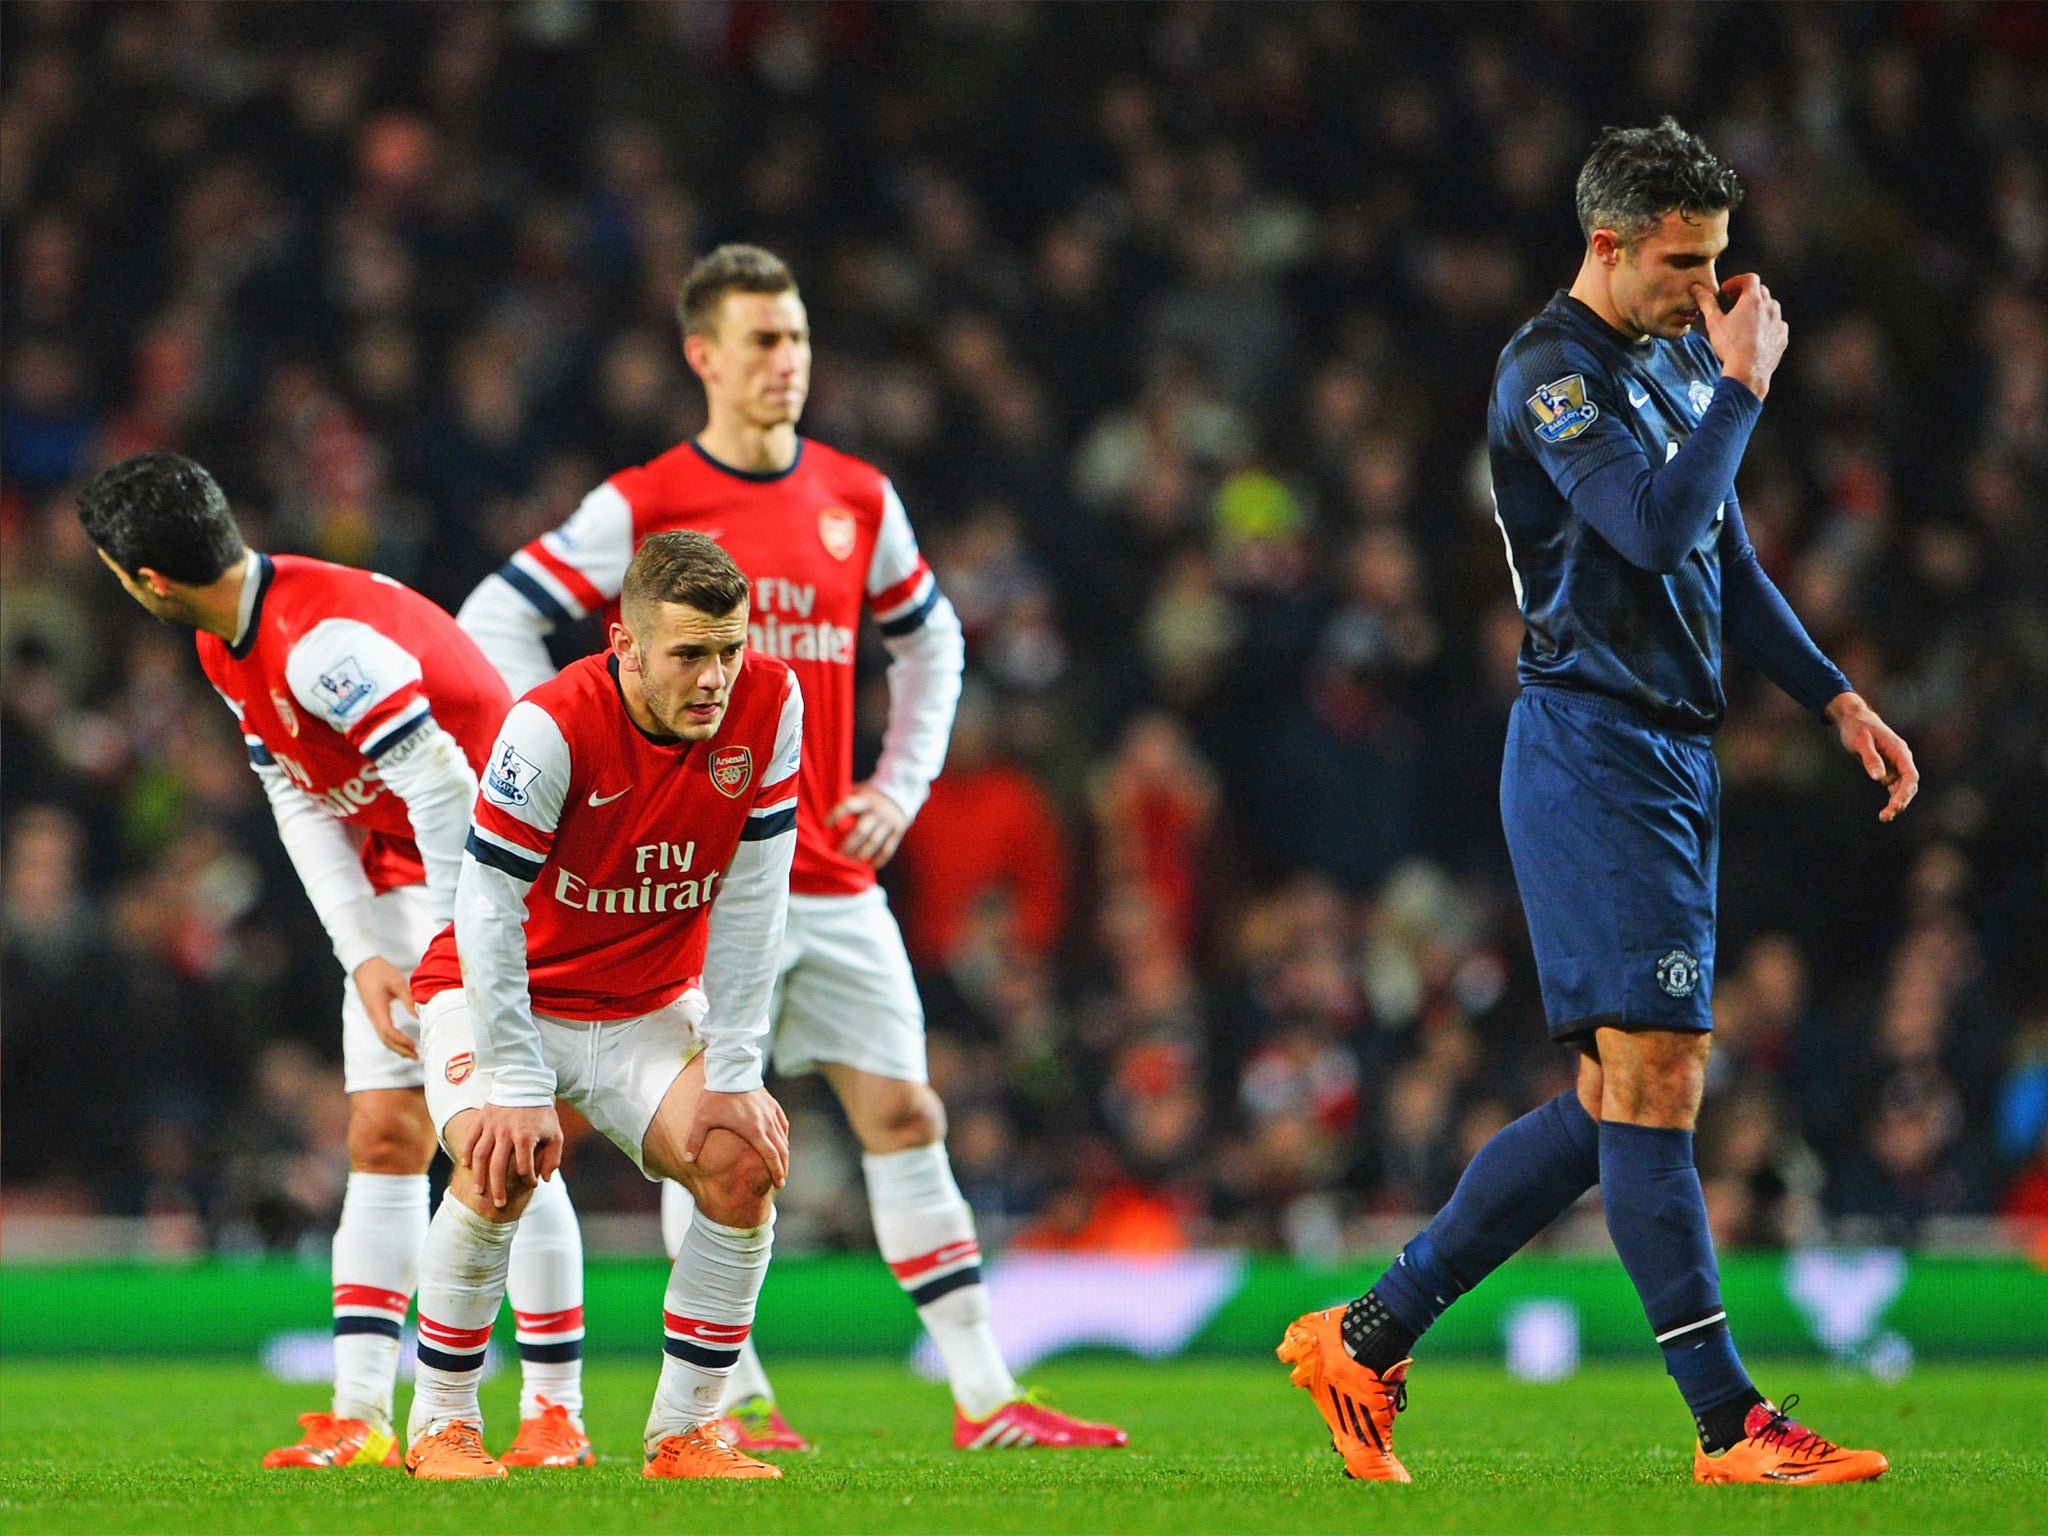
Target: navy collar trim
[(757, 476), (240, 648)]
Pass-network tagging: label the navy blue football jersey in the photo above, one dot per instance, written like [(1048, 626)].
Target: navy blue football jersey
[(1573, 396)]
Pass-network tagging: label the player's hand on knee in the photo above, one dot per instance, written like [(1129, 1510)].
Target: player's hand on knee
[(1882, 750), (754, 1117), (1750, 336), (380, 984), (878, 825), (511, 1149)]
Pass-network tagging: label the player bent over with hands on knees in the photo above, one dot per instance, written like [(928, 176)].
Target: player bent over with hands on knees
[(365, 710), (823, 537), (1614, 436), (620, 906)]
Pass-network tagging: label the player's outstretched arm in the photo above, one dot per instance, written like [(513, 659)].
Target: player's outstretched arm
[(742, 952), (329, 869), (510, 836), (1882, 751), (559, 577)]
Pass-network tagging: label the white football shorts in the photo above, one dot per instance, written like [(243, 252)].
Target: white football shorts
[(404, 928), (845, 992), (617, 1073)]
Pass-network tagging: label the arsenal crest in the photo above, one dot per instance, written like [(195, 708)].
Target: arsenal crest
[(731, 768), (838, 530), (285, 712), (460, 1066)]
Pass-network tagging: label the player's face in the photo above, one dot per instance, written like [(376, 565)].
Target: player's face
[(1651, 282), (685, 662), (757, 363)]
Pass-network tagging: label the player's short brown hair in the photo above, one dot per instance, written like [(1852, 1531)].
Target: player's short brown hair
[(1634, 176), (682, 568), (729, 269)]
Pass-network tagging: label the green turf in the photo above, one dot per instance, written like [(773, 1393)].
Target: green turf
[(1216, 1446)]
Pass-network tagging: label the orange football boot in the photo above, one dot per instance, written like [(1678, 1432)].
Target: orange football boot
[(703, 1452), (332, 1442), (456, 1450), (1775, 1449), (549, 1439), (1359, 1405)]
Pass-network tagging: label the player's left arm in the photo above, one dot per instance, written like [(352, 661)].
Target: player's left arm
[(368, 687), (927, 653), (742, 953), (1758, 622)]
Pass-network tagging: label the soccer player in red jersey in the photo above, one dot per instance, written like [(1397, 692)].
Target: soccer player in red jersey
[(366, 713), (617, 920), (821, 535)]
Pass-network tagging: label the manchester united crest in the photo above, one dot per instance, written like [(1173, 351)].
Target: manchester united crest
[(288, 716), (838, 530), (731, 769)]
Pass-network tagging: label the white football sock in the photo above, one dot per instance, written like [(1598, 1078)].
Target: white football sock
[(926, 1231), (706, 1316), (546, 1286), (462, 1281), (376, 1265), (749, 1379)]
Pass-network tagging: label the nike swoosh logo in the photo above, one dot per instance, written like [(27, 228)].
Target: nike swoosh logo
[(595, 802), (1636, 400)]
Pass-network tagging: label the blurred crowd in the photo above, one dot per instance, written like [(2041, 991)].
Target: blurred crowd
[(1174, 325)]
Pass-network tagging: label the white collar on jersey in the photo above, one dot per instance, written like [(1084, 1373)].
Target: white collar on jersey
[(255, 579)]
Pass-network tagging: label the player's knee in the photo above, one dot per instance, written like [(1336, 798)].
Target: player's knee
[(915, 1118), (733, 1185), (391, 1137)]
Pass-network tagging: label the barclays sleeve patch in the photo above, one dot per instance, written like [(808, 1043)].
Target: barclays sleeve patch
[(1562, 410), (510, 778), (343, 688)]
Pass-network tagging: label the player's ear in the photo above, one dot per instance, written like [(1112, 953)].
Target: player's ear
[(624, 646), (697, 352)]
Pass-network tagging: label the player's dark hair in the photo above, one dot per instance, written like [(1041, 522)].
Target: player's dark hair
[(729, 269), (164, 513), (683, 568), (1635, 176)]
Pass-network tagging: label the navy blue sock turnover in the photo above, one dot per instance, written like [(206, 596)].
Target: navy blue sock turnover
[(1657, 1215), (1524, 1178)]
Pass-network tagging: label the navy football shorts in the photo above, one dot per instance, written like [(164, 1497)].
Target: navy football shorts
[(1614, 829)]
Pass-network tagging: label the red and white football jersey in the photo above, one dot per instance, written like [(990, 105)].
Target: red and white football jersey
[(621, 840), (333, 664), (817, 541)]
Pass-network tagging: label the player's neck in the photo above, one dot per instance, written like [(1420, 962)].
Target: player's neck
[(1590, 289), (741, 445), (217, 606), (634, 697)]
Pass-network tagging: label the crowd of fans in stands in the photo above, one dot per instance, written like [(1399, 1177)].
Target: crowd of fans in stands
[(1174, 325)]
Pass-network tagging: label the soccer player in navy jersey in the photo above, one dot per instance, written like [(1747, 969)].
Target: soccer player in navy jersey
[(1615, 432)]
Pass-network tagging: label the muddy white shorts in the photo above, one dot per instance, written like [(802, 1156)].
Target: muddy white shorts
[(845, 992), (404, 928), (617, 1072)]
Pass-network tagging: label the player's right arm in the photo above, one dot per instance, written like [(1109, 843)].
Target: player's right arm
[(561, 576), (511, 832), (331, 873), (1653, 514)]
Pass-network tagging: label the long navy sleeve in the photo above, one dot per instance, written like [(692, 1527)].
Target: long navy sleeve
[(1758, 622), (1655, 515)]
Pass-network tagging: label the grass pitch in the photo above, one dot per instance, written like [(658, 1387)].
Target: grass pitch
[(1216, 1446)]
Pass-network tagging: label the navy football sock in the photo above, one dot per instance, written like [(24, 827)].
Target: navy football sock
[(1524, 1178), (1657, 1216)]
